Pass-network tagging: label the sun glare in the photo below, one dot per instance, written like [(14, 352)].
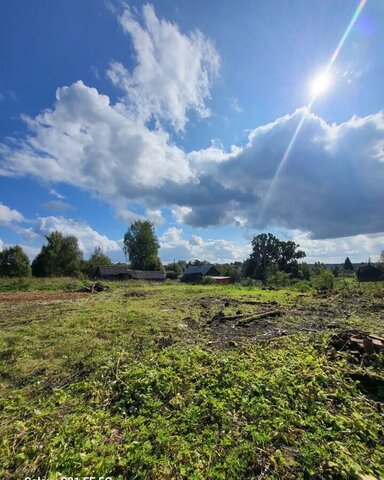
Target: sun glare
[(320, 84)]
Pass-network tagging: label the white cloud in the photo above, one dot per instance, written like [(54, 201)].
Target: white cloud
[(155, 215), (174, 245), (87, 142), (56, 194), (331, 185), (127, 216), (9, 215), (173, 72), (180, 213), (88, 238), (358, 248)]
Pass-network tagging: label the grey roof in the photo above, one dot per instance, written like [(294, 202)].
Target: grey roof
[(147, 275), (113, 270), (203, 270), (110, 270)]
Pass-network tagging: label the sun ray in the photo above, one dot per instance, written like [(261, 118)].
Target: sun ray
[(315, 93)]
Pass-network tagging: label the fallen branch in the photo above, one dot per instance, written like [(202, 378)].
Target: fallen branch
[(251, 318)]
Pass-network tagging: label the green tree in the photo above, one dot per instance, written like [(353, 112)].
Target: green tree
[(61, 256), (141, 246), (14, 262), (175, 267), (381, 261), (318, 267), (232, 270), (324, 281), (97, 258), (348, 265), (304, 271), (268, 250)]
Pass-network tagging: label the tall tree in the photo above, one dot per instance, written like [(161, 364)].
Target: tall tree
[(61, 256), (141, 246), (268, 250), (14, 262), (97, 258), (348, 265)]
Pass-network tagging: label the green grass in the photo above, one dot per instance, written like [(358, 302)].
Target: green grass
[(133, 383)]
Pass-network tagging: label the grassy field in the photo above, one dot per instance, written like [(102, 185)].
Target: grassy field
[(166, 382)]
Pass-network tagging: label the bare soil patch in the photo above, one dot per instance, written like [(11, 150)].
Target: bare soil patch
[(39, 296)]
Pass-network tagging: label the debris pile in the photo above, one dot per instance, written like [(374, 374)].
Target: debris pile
[(358, 343), (94, 288)]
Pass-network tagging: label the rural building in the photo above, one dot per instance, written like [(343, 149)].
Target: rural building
[(122, 272), (194, 274), (113, 272), (150, 276), (369, 273)]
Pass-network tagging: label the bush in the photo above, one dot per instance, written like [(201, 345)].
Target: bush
[(277, 278), (324, 281)]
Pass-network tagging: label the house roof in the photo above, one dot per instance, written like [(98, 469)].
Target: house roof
[(113, 270), (109, 270), (203, 269), (147, 275)]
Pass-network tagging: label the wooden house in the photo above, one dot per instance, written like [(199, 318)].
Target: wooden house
[(195, 274), (122, 272)]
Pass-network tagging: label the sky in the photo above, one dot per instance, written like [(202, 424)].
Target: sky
[(207, 118)]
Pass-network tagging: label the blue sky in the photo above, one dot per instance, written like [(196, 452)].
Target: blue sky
[(182, 112)]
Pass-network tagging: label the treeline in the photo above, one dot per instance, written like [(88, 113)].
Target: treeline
[(59, 257), (272, 261)]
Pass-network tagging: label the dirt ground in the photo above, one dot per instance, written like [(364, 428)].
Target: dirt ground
[(39, 296), (235, 321)]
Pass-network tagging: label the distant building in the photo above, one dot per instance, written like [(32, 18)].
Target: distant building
[(113, 272), (194, 274), (150, 276), (369, 273), (122, 272)]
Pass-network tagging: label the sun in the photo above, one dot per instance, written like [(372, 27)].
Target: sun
[(320, 84)]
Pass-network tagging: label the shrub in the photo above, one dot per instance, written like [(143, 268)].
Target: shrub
[(324, 281), (277, 278)]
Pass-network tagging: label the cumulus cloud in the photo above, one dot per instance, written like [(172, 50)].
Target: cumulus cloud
[(174, 71), (331, 185), (87, 142), (358, 247), (173, 244), (88, 238), (9, 215), (155, 215)]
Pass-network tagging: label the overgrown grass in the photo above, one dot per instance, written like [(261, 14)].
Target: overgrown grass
[(123, 383)]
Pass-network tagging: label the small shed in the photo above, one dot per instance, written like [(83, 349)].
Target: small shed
[(195, 274), (369, 273)]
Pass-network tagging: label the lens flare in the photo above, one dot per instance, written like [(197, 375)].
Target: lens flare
[(320, 85)]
